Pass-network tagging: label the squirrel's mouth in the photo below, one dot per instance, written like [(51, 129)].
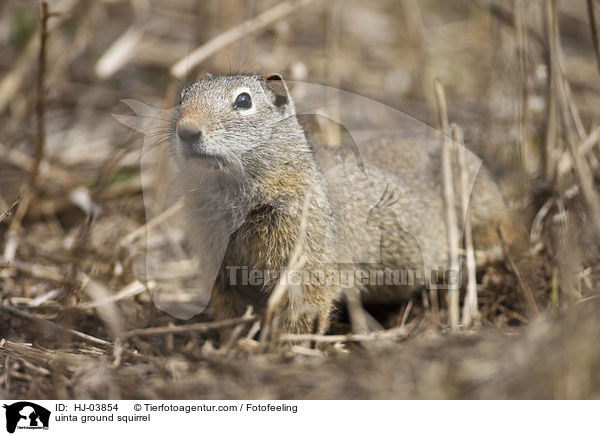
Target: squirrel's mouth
[(210, 159), (196, 152), (191, 143)]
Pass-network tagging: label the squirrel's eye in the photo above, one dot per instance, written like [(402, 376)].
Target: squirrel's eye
[(243, 101)]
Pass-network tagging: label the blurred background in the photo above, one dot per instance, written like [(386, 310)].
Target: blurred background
[(521, 79)]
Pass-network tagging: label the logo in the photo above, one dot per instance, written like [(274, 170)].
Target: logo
[(26, 415)]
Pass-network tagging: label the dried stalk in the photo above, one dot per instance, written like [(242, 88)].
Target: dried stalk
[(586, 181), (591, 8), (40, 104), (406, 313), (53, 326), (450, 204), (523, 286), (202, 327), (570, 114), (11, 209), (574, 133), (296, 262), (26, 163), (11, 83), (240, 31), (394, 333), (470, 310), (154, 222), (29, 192), (548, 158), (508, 18), (132, 289), (333, 36), (237, 331), (416, 33), (521, 33), (124, 47), (566, 162)]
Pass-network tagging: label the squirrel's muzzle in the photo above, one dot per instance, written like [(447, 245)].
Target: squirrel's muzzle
[(190, 134), (191, 139)]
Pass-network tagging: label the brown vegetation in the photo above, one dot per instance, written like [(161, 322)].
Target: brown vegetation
[(520, 78)]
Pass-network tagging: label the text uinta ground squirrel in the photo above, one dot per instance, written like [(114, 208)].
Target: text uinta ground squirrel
[(247, 167)]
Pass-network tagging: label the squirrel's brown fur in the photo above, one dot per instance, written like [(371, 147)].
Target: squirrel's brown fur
[(247, 172)]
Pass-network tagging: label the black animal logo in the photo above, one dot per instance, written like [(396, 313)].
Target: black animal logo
[(26, 414)]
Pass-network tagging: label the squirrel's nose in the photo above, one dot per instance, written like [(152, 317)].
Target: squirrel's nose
[(189, 133)]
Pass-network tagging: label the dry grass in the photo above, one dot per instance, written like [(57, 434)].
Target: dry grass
[(76, 317)]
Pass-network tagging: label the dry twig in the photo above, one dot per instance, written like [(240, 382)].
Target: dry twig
[(450, 204), (521, 34), (53, 326), (132, 289), (198, 327), (523, 286), (11, 83), (240, 31), (394, 333), (570, 117), (40, 104), (296, 262), (566, 162), (11, 209), (470, 306), (591, 7), (124, 47), (11, 236), (154, 222), (508, 18), (237, 331)]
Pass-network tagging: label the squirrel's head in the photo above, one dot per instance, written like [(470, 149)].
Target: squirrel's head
[(222, 117)]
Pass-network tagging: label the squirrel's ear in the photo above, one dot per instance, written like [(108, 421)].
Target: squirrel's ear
[(275, 87)]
